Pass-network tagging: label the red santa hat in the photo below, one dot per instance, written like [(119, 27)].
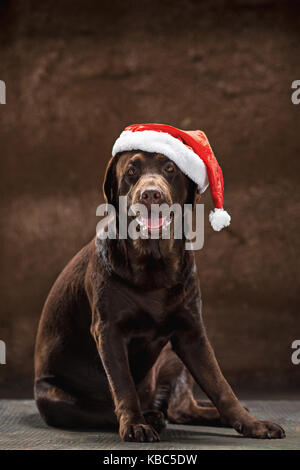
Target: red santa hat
[(189, 150)]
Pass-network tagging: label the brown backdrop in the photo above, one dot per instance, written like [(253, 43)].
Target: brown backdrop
[(76, 74)]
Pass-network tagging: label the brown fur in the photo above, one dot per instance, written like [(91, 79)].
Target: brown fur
[(121, 337)]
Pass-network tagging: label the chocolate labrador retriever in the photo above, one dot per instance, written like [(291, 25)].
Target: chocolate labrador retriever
[(121, 337)]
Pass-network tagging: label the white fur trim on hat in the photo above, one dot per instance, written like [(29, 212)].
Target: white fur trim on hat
[(161, 142), (219, 219)]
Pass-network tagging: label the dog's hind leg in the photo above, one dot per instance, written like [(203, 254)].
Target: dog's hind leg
[(174, 393), (184, 409), (62, 409), (167, 392)]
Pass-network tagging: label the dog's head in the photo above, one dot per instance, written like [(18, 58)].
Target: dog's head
[(149, 180)]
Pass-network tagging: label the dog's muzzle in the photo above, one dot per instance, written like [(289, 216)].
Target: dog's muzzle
[(153, 197)]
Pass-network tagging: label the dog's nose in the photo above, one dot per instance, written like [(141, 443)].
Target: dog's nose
[(151, 196)]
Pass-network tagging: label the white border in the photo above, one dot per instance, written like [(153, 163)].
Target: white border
[(161, 142)]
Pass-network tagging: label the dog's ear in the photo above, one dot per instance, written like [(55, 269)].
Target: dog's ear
[(193, 194), (110, 186), (197, 198)]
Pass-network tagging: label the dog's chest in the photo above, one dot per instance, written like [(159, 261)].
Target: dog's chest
[(159, 304), (150, 314), (154, 303)]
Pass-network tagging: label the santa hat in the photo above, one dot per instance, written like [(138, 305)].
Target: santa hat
[(189, 150)]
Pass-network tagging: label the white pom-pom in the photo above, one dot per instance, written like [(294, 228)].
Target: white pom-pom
[(219, 219)]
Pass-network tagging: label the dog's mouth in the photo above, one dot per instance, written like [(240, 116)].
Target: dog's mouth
[(154, 222)]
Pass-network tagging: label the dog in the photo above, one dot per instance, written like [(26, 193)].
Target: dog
[(121, 338)]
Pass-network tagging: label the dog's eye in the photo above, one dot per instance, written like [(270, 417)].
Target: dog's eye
[(169, 168), (131, 171)]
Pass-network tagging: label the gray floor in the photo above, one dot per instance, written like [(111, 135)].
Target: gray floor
[(22, 428)]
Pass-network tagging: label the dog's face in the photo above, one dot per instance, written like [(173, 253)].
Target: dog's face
[(147, 179)]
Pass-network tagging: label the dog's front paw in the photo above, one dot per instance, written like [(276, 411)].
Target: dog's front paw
[(260, 430), (138, 433)]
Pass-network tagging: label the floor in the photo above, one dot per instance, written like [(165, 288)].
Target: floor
[(22, 428)]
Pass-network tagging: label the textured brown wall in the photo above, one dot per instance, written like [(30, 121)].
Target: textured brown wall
[(76, 74)]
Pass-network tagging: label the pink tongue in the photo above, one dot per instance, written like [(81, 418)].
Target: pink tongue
[(153, 222)]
